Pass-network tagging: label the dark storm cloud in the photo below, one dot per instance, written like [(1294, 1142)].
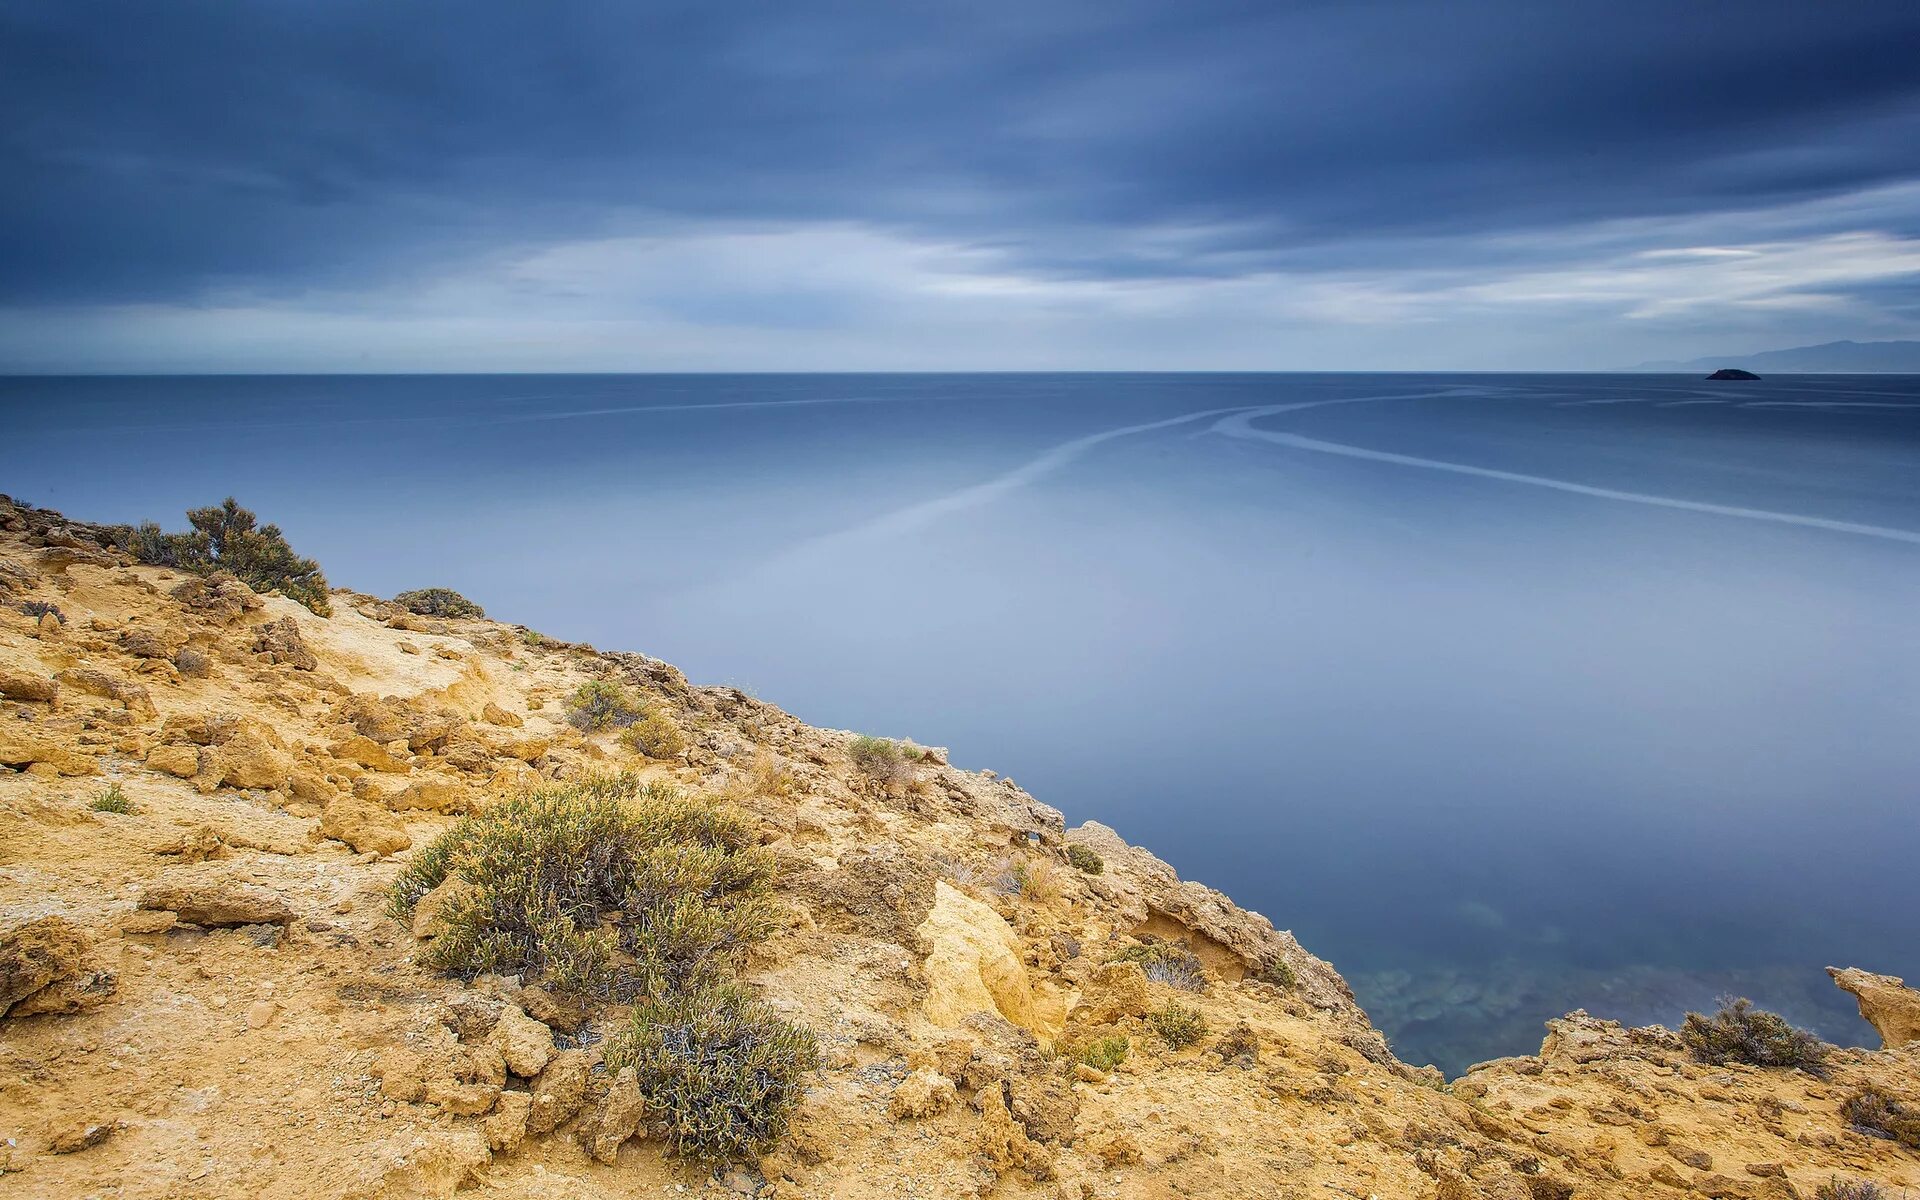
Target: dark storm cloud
[(154, 151)]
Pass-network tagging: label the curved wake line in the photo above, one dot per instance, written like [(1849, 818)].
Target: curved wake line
[(1239, 426)]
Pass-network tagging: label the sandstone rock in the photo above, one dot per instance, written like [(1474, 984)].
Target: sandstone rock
[(559, 1091), (367, 828), (37, 689), (368, 753), (1045, 1105), (81, 1136), (618, 1119), (525, 1043), (175, 759), (1886, 1003), (145, 641), (506, 1126), (248, 761), (128, 695), (19, 748), (402, 1074), (46, 966), (219, 598), (280, 642), (924, 1093), (493, 714), (1113, 991), (433, 793), (381, 719), (49, 627), (218, 902), (1002, 1144), (974, 965), (429, 912), (528, 749)]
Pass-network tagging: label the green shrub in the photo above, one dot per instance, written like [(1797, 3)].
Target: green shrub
[(1859, 1189), (602, 704), (1741, 1033), (1276, 972), (533, 637), (1178, 1025), (655, 735), (224, 537), (604, 887), (1102, 1054), (881, 758), (438, 602), (40, 608), (1877, 1113), (113, 800), (719, 1068), (1170, 963), (1084, 858)]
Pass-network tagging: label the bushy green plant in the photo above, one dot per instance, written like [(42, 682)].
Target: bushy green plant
[(1178, 1025), (1085, 858), (655, 735), (602, 704), (1741, 1033), (717, 1067), (1276, 972), (1170, 963), (1885, 1116), (881, 758), (40, 608), (113, 800), (604, 887), (533, 637), (227, 537), (1102, 1054), (438, 602)]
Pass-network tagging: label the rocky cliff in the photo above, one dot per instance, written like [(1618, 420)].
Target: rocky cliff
[(206, 794)]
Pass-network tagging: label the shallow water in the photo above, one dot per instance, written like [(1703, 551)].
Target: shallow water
[(1507, 693)]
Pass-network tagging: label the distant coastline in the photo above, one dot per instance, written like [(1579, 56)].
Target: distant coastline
[(1836, 358)]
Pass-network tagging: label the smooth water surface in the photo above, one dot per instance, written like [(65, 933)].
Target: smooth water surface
[(1508, 694)]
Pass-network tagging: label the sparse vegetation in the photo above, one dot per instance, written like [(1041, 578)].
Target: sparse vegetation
[(1855, 1189), (604, 887), (655, 735), (1238, 1042), (438, 602), (1872, 1111), (1276, 972), (719, 1068), (602, 704), (112, 799), (40, 608), (226, 537), (1178, 1025), (532, 637), (1084, 858), (1102, 1054), (1170, 963), (882, 758), (1741, 1033), (1039, 880)]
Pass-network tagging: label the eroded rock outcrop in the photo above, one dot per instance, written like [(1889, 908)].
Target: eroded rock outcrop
[(1886, 1003)]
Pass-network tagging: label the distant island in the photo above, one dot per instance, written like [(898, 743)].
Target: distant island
[(1895, 358), (1732, 373)]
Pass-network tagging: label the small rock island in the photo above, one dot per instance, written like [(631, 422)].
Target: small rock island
[(1732, 373)]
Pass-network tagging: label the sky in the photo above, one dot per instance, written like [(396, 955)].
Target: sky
[(470, 185)]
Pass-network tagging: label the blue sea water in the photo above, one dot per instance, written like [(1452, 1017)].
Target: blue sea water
[(1509, 694)]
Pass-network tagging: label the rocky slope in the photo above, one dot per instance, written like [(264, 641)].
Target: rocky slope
[(204, 996)]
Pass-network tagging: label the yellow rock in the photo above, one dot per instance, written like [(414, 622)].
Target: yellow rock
[(175, 759), (974, 966)]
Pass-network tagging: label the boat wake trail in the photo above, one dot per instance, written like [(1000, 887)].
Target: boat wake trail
[(1240, 425)]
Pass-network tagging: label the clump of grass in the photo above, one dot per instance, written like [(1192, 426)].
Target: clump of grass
[(1102, 1054), (655, 735), (40, 608), (602, 704), (532, 637), (1873, 1112), (605, 888), (1854, 1189), (882, 758), (112, 799), (1170, 963), (718, 1068), (1085, 858), (1741, 1033), (227, 537), (1276, 972), (1178, 1025), (438, 602), (1039, 881)]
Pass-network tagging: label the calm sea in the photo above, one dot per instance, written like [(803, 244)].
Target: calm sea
[(1507, 693)]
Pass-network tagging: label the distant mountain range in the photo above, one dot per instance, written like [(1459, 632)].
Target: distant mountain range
[(1865, 357)]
